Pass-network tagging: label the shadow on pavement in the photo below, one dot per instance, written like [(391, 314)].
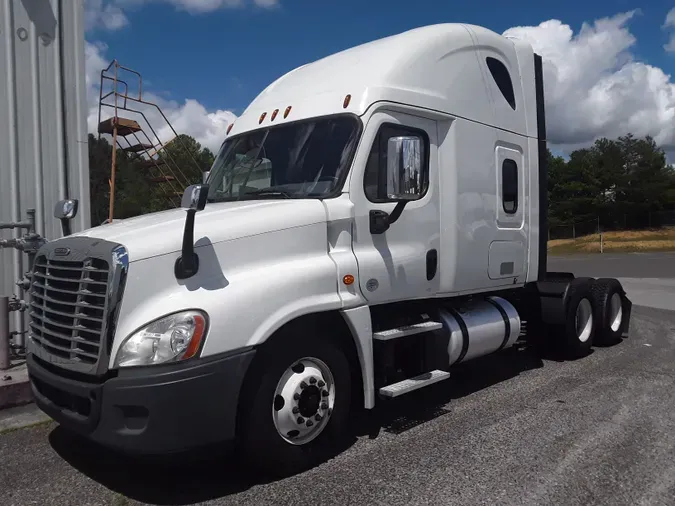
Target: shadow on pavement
[(194, 478), (399, 415), (185, 480)]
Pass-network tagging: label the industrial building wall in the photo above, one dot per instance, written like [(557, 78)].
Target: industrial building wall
[(43, 128)]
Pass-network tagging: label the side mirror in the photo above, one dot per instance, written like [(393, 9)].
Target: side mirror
[(194, 199), (64, 211), (404, 168), (404, 179)]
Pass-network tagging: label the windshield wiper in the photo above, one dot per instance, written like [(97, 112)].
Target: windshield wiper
[(271, 192)]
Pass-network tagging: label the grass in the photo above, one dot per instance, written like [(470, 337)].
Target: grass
[(626, 241)]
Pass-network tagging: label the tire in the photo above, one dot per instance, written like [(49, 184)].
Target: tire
[(264, 417), (579, 327), (608, 296)]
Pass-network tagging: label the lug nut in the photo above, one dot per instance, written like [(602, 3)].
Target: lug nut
[(321, 384), (301, 419), (324, 393), (324, 405), (296, 397), (318, 418), (312, 380), (303, 385), (296, 410), (309, 423)]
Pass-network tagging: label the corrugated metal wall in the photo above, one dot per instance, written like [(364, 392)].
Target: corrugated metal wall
[(43, 112)]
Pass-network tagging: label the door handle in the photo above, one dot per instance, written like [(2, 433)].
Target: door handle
[(432, 264)]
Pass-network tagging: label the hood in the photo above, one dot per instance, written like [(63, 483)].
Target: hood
[(161, 233)]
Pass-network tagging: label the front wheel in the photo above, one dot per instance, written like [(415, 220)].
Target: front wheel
[(297, 404)]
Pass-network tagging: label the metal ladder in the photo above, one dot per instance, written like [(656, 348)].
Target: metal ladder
[(144, 144)]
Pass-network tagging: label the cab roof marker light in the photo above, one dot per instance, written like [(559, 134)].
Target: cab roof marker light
[(287, 112), (274, 114), (348, 99), (262, 117), (229, 128)]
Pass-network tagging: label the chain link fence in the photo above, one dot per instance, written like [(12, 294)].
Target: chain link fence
[(639, 221)]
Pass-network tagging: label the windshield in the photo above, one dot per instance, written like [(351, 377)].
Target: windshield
[(296, 160)]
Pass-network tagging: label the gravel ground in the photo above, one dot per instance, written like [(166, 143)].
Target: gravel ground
[(509, 429)]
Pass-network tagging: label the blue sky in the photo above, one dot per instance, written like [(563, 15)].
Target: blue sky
[(221, 53)]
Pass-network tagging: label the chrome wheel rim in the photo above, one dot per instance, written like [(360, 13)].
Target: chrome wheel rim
[(584, 320), (303, 401), (615, 312)]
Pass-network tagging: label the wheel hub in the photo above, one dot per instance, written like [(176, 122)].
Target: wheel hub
[(310, 400), (303, 401)]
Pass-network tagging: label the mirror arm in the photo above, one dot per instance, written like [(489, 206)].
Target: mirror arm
[(194, 199), (381, 220), (187, 264), (65, 227), (398, 210)]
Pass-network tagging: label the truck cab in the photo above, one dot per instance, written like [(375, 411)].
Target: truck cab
[(371, 220)]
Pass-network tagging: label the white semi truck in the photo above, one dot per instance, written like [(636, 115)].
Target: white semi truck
[(371, 220)]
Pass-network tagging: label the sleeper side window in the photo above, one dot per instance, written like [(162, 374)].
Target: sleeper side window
[(510, 186), (398, 164), (501, 76)]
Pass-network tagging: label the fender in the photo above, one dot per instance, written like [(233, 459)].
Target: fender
[(359, 322), (249, 287)]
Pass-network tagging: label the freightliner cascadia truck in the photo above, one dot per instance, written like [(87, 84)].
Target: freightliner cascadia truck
[(371, 220)]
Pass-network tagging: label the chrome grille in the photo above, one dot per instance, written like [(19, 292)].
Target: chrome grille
[(68, 307)]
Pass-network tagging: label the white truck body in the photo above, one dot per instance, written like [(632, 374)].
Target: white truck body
[(467, 103)]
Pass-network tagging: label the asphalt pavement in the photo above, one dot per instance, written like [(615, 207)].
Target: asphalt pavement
[(648, 278), (514, 428)]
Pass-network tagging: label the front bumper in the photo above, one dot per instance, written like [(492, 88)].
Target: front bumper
[(150, 410)]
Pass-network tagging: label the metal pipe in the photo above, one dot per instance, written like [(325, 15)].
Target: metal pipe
[(31, 254), (60, 161), (4, 333), (22, 224), (37, 129)]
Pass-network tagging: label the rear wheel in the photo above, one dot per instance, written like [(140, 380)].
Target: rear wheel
[(608, 295), (295, 409), (579, 329)]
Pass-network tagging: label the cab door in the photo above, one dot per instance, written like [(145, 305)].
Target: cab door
[(397, 169)]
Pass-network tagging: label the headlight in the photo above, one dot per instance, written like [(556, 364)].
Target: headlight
[(169, 339)]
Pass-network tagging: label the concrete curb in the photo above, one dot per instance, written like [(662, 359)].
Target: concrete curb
[(15, 391), (21, 417)]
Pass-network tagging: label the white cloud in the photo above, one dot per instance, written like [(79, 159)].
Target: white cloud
[(670, 23), (670, 18), (204, 6), (594, 88), (105, 16), (109, 14), (190, 117)]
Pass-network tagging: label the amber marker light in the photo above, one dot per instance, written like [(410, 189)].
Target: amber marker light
[(348, 279), (274, 114), (193, 347), (229, 128), (287, 112), (262, 117), (348, 99)]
